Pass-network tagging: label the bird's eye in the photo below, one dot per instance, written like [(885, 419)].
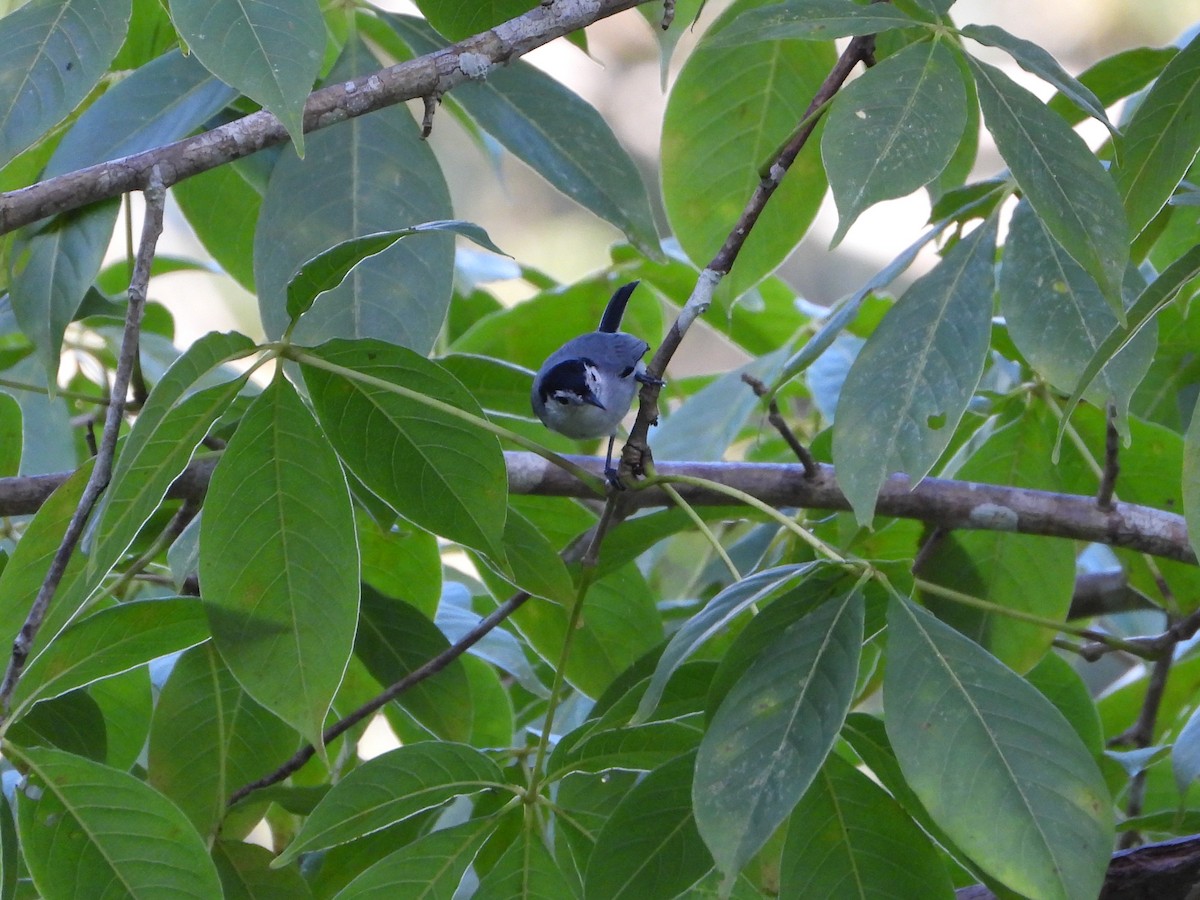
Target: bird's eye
[(561, 399)]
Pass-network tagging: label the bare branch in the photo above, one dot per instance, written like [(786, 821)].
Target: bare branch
[(425, 76), (102, 465)]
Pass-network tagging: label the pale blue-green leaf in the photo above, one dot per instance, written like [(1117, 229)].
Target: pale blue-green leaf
[(1185, 753), (279, 562), (894, 129), (1057, 172), (729, 110), (774, 729), (973, 739), (716, 615), (429, 465), (53, 268), (430, 868), (849, 839), (828, 372), (556, 133), (498, 647), (813, 20), (365, 176), (52, 53), (1161, 139), (650, 847), (911, 383), (208, 738), (328, 269), (1035, 59), (1161, 291), (1058, 318), (108, 643), (390, 788), (161, 102), (82, 823), (270, 50)]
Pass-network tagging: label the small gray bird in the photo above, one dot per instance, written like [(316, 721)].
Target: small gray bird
[(586, 386)]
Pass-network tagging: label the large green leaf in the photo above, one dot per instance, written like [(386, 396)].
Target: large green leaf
[(278, 561), (894, 129), (1161, 139), (52, 53), (527, 871), (849, 839), (371, 174), (270, 50), (393, 640), (1191, 480), (428, 464), (650, 847), (72, 722), (1058, 174), (911, 383), (533, 564), (730, 109), (208, 738), (996, 765), (554, 131), (774, 729), (430, 868), (392, 787), (10, 436), (1058, 318), (813, 20), (246, 874), (87, 827), (459, 20), (109, 642), (126, 703), (753, 590), (223, 208)]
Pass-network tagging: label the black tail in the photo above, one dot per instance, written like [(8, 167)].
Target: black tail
[(611, 323)]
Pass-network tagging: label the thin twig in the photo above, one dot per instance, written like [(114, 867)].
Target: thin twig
[(1141, 735), (636, 452), (428, 670), (155, 194), (776, 419), (1112, 464)]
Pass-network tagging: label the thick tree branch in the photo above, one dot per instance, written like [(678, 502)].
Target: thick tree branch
[(431, 75)]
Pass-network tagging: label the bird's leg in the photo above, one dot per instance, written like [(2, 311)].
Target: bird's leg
[(610, 473)]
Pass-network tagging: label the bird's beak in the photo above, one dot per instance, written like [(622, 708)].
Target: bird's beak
[(591, 398)]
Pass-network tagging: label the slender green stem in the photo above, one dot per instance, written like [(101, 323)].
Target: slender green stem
[(793, 526), (58, 392), (704, 529), (302, 356)]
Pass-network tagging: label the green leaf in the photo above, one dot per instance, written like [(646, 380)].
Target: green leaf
[(534, 565), (430, 867), (392, 787), (620, 623), (53, 268), (72, 722), (849, 838), (977, 743), (638, 748), (1058, 318), (82, 823), (223, 209), (1063, 686), (432, 467), (9, 850), (1036, 60), (10, 436), (161, 102), (328, 269), (1161, 139), (279, 563), (365, 176), (401, 561), (459, 20), (53, 53), (650, 847), (773, 731), (271, 51), (126, 703), (168, 429), (246, 874), (1115, 77), (393, 640), (208, 738), (894, 129), (110, 642), (811, 20), (1161, 291), (1191, 480), (551, 129), (753, 590), (1064, 182), (527, 871), (910, 384), (729, 111)]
